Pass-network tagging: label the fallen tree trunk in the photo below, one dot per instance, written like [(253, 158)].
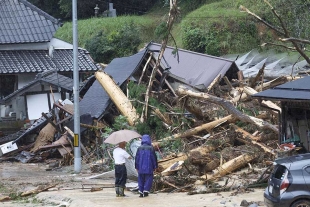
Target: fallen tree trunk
[(229, 107), (117, 96), (248, 138), (270, 84), (203, 150), (244, 133), (227, 168), (208, 126), (5, 198)]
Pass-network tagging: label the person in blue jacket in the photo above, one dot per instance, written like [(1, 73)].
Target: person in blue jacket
[(145, 164)]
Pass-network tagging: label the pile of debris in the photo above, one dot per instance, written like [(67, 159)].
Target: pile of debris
[(215, 127)]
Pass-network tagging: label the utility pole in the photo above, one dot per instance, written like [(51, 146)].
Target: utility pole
[(76, 138)]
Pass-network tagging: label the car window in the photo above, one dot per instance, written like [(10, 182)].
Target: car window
[(279, 172), (307, 169)]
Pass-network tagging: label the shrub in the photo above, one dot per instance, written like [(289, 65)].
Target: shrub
[(105, 47), (194, 39)]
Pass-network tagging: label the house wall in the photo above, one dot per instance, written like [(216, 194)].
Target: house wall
[(24, 79), (38, 103), (2, 110)]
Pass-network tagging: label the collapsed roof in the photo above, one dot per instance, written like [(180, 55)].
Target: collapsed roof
[(297, 90), (194, 68), (96, 99)]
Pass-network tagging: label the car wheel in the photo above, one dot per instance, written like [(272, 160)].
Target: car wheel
[(301, 203)]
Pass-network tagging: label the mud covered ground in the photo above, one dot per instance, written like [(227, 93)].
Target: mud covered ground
[(69, 191)]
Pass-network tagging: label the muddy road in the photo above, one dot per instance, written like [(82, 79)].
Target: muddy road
[(69, 191)]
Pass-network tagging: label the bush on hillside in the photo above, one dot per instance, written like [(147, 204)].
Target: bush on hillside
[(105, 47), (194, 40)]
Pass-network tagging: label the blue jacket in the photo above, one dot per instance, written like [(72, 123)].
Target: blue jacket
[(146, 160)]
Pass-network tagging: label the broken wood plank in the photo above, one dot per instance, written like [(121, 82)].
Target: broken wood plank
[(173, 168), (72, 135), (39, 189), (214, 82), (228, 83), (275, 108)]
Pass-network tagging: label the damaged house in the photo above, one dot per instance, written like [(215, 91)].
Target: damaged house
[(190, 68), (28, 50), (294, 118)]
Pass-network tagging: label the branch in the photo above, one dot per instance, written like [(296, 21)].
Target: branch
[(286, 33), (293, 39), (229, 107), (261, 20), (278, 45)]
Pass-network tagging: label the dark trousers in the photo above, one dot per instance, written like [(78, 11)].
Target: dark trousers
[(120, 175), (145, 182)]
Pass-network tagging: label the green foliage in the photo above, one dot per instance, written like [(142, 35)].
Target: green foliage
[(152, 125), (107, 132), (124, 42), (120, 123), (212, 44), (194, 39), (174, 146), (161, 30), (100, 48)]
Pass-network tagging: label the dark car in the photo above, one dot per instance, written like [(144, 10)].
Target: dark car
[(289, 182)]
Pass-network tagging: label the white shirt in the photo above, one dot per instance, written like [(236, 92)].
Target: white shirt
[(120, 156)]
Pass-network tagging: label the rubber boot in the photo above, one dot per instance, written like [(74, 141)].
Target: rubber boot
[(145, 194), (117, 191), (121, 192), (141, 194)]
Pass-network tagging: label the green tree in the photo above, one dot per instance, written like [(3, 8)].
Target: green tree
[(105, 47)]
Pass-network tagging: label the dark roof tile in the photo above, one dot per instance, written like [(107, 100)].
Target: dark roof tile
[(22, 22), (27, 61)]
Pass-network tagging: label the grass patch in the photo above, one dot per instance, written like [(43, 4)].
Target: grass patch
[(90, 27)]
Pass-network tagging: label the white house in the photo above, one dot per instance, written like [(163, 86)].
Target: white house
[(28, 47)]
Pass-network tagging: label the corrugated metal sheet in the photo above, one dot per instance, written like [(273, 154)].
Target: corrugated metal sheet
[(96, 99), (27, 61), (298, 90), (22, 22), (195, 68)]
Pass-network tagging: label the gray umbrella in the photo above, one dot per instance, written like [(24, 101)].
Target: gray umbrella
[(124, 135)]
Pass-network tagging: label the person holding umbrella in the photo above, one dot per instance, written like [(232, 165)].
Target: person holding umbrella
[(120, 138), (120, 155), (145, 164)]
